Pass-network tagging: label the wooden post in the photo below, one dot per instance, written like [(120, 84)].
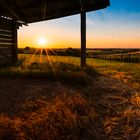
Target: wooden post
[(129, 57), (110, 58), (121, 57), (15, 49), (83, 38)]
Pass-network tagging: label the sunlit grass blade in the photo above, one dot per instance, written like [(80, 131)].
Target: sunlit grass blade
[(53, 52), (30, 60), (49, 60), (40, 61)]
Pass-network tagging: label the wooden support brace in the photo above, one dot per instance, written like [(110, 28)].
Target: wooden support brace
[(15, 49), (83, 38)]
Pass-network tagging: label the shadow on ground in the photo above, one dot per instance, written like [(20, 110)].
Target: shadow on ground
[(43, 109), (77, 104)]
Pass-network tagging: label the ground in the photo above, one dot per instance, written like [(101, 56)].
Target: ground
[(16, 91), (107, 108)]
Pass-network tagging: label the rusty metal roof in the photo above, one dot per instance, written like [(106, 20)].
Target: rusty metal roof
[(30, 11)]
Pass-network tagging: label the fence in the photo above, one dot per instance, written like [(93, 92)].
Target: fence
[(133, 57)]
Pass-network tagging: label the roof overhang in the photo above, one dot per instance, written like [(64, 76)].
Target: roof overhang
[(30, 11)]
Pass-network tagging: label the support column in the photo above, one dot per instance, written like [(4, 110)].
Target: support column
[(15, 48), (83, 38)]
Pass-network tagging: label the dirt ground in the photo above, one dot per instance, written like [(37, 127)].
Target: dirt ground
[(111, 98), (14, 91)]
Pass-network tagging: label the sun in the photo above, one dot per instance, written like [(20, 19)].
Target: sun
[(42, 41)]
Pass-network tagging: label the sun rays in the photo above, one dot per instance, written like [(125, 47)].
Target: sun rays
[(43, 58)]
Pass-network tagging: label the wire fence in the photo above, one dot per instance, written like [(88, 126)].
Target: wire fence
[(133, 57)]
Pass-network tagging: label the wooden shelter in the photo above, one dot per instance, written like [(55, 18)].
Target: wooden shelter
[(14, 13)]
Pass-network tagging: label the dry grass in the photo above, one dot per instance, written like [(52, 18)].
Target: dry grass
[(83, 106), (72, 115), (65, 117), (123, 120), (126, 72)]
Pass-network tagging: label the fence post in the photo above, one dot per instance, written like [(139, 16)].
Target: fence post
[(121, 58), (129, 57)]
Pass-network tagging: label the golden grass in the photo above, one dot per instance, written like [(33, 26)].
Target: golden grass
[(90, 111), (65, 117), (72, 116)]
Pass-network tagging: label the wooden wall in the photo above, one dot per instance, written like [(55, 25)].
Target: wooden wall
[(8, 42)]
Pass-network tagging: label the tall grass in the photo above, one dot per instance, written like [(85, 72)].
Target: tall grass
[(74, 115), (68, 73), (65, 117), (89, 111), (126, 72)]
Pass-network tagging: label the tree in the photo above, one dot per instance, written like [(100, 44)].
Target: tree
[(27, 48)]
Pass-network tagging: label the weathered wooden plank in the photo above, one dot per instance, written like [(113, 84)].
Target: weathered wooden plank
[(5, 62), (6, 51), (2, 43), (6, 31), (5, 36), (6, 45), (5, 48), (6, 56), (5, 25), (9, 39), (2, 40)]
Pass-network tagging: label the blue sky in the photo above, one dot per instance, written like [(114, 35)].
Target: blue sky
[(126, 5), (115, 26)]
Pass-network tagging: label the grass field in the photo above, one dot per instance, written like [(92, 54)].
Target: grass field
[(55, 99), (122, 55), (129, 73)]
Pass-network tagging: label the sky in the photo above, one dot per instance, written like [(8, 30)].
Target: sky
[(117, 26)]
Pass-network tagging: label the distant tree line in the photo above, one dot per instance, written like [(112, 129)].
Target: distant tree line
[(74, 51), (61, 52)]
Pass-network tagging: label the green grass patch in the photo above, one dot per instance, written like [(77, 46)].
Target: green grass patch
[(66, 68), (68, 73)]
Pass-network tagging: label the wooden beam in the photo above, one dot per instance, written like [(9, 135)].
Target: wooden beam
[(83, 38), (15, 49), (81, 5), (54, 8)]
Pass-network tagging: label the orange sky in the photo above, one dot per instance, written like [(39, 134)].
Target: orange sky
[(104, 29)]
